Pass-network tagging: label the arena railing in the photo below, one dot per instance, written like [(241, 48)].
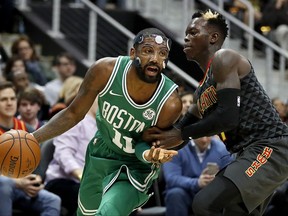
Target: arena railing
[(94, 12), (271, 48)]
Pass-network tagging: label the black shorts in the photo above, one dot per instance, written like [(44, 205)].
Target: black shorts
[(259, 169)]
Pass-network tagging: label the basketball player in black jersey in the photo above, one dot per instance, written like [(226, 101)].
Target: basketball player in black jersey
[(230, 102)]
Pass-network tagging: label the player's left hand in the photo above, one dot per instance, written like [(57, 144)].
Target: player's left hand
[(158, 155)]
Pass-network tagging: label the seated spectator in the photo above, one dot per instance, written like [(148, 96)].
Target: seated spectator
[(275, 16), (65, 67), (15, 71), (67, 93), (187, 100), (188, 173), (65, 170), (30, 102), (258, 7), (275, 13), (281, 109), (24, 48), (8, 109), (27, 192)]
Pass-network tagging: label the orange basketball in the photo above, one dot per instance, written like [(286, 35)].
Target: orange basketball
[(19, 153)]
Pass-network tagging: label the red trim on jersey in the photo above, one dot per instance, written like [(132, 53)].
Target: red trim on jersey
[(18, 125), (206, 72)]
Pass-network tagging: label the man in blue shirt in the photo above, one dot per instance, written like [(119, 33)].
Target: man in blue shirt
[(188, 172)]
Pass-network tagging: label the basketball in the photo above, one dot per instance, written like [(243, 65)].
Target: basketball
[(19, 153)]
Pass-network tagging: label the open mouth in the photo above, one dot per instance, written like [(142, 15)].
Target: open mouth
[(152, 70)]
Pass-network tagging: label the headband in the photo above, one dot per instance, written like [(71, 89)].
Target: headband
[(158, 39)]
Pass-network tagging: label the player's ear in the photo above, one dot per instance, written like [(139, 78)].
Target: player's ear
[(214, 37), (132, 53)]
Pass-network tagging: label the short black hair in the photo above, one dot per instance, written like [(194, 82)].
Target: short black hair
[(213, 18)]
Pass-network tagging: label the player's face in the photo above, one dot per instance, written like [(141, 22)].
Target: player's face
[(196, 39), (28, 110), (152, 59), (8, 103)]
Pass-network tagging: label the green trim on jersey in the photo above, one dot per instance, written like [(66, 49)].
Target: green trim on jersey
[(119, 117)]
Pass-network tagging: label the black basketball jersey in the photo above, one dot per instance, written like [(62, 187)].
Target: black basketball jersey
[(258, 117)]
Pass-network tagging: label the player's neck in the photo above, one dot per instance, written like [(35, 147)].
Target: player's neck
[(139, 90)]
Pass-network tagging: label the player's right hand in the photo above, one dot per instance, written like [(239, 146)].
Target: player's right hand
[(163, 138)]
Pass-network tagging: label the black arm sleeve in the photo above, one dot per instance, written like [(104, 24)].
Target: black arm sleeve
[(225, 117), (187, 119)]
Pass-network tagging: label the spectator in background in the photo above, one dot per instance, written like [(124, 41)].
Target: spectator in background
[(188, 173), (8, 109), (21, 82), (65, 67), (187, 100), (14, 63), (27, 192), (275, 16), (30, 102), (25, 49), (281, 108), (15, 71), (69, 89), (257, 6)]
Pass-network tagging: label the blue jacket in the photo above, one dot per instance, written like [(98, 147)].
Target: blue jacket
[(185, 168)]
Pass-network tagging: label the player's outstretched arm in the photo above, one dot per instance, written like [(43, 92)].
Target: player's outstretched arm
[(94, 81)]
